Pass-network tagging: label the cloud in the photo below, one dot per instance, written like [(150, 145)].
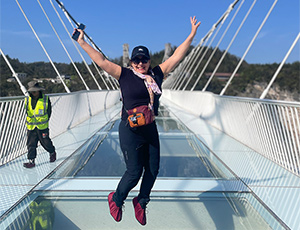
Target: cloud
[(25, 34), (262, 34)]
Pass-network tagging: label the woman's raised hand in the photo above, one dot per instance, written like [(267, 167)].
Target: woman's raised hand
[(195, 25)]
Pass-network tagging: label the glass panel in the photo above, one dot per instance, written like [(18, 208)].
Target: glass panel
[(89, 210), (182, 154)]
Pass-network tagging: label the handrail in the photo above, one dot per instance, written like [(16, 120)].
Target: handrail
[(269, 127), (68, 110)]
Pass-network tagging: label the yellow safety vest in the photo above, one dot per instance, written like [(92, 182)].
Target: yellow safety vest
[(37, 117), (41, 215)]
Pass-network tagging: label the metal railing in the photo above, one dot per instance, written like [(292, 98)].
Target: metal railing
[(68, 110), (271, 128)]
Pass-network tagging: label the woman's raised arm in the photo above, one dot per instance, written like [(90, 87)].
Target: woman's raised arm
[(181, 50), (108, 66)]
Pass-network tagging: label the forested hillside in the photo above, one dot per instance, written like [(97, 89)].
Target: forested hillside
[(250, 82)]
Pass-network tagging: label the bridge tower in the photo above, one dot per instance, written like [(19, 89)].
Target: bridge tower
[(168, 51), (125, 55)]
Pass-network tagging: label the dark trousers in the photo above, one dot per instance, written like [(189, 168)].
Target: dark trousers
[(140, 147), (33, 136)]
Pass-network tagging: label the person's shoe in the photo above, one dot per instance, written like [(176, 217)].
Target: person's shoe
[(115, 211), (29, 164), (140, 212), (53, 157)]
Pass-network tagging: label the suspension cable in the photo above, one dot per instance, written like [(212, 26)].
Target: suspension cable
[(205, 40), (84, 61), (77, 24), (217, 46), (101, 75), (188, 64), (37, 37), (197, 54), (263, 95), (89, 41), (69, 16), (64, 25), (222, 23), (232, 40), (251, 43), (190, 75), (207, 48), (193, 55), (87, 88), (22, 87), (182, 69), (203, 55)]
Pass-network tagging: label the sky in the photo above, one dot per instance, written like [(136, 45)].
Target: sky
[(151, 23)]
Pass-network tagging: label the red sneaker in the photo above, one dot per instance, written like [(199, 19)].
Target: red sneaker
[(115, 211), (140, 213), (52, 157)]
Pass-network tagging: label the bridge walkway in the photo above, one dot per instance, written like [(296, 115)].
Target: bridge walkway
[(207, 179)]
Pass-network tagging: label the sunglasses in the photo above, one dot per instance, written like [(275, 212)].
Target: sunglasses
[(138, 60)]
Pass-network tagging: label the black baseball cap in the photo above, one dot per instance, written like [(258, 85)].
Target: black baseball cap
[(140, 51)]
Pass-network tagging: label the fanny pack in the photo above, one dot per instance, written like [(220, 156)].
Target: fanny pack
[(144, 114), (140, 116)]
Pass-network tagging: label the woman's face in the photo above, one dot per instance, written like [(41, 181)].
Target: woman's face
[(141, 64)]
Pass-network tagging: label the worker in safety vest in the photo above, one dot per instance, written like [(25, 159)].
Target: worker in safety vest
[(41, 214), (38, 109)]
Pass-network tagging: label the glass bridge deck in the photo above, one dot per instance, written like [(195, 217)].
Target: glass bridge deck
[(194, 189)]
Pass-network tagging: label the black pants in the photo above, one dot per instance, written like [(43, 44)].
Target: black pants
[(140, 147), (33, 136)]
